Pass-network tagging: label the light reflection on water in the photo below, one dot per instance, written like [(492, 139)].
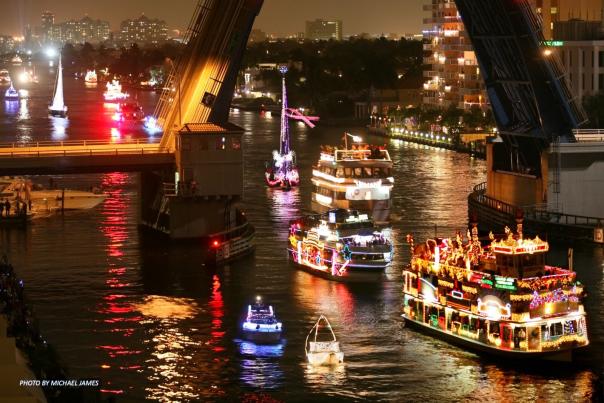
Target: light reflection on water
[(153, 322)]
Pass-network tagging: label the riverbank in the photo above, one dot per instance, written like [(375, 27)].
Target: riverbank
[(474, 148), (26, 359)]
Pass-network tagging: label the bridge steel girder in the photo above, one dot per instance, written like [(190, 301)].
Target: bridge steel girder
[(201, 85), (528, 90)]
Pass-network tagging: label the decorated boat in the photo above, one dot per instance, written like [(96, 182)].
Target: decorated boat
[(129, 112), (114, 92), (261, 325), (357, 177), (5, 77), (502, 298), (90, 77), (57, 107), (11, 94), (321, 351), (282, 171), (340, 245)]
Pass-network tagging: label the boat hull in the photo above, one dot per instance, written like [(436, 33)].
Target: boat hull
[(262, 337), (325, 358), (480, 348), (353, 275), (57, 114)]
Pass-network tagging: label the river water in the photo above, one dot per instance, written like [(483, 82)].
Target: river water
[(152, 322)]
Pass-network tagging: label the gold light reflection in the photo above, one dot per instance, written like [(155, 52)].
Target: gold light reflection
[(171, 349)]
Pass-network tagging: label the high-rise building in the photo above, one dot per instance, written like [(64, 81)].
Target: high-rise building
[(143, 30), (553, 11), (7, 44), (48, 20), (80, 31), (452, 73), (324, 30)]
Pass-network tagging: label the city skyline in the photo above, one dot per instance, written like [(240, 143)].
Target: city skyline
[(276, 17)]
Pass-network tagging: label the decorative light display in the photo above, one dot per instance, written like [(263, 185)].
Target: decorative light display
[(552, 297), (114, 92), (467, 296)]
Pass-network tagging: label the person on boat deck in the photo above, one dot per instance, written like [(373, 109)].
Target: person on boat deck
[(7, 207), (1, 209)]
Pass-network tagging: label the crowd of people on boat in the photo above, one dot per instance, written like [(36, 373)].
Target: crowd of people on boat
[(376, 240)]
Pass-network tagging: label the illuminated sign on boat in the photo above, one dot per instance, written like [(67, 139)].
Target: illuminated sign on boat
[(505, 283)]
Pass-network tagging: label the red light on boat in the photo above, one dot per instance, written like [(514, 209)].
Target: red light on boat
[(216, 244)]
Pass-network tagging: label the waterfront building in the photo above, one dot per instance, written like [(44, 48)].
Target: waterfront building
[(452, 74), (258, 35), (143, 30), (7, 44), (75, 31), (46, 31), (554, 11), (324, 30)]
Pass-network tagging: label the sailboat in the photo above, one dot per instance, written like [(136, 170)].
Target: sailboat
[(58, 108), (326, 352), (282, 172)]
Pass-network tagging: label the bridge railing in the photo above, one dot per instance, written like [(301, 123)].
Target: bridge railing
[(537, 213), (78, 143)]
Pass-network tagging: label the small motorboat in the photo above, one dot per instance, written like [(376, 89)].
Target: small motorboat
[(323, 352), (91, 77), (11, 94), (261, 325)]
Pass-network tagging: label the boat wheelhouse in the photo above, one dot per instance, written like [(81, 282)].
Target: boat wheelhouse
[(261, 325), (501, 299), (114, 92), (356, 178), (340, 245)]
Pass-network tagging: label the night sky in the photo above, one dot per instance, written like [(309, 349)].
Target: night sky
[(277, 16)]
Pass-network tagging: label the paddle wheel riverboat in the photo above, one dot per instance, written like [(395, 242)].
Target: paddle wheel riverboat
[(501, 299)]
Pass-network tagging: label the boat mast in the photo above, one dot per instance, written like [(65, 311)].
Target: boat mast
[(58, 103), (284, 145)]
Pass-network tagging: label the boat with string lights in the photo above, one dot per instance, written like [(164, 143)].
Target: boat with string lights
[(114, 92), (11, 94), (261, 325), (502, 298), (282, 171), (356, 177), (90, 77), (340, 245)]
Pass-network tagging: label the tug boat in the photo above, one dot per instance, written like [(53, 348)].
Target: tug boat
[(261, 325), (90, 77), (340, 245), (114, 92), (11, 94), (282, 171), (501, 299), (357, 177), (325, 352), (57, 108)]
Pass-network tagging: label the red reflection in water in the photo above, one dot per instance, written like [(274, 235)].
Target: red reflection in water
[(217, 311), (119, 318)]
